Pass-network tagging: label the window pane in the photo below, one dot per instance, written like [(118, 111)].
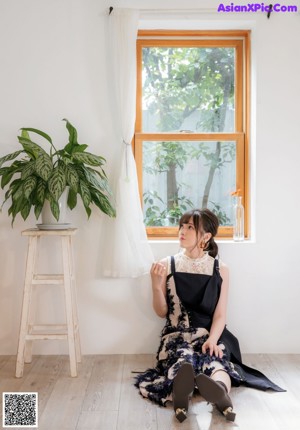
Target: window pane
[(188, 88), (178, 176)]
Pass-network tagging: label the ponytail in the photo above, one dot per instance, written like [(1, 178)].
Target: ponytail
[(212, 247)]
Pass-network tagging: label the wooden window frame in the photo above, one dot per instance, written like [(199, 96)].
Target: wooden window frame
[(240, 40)]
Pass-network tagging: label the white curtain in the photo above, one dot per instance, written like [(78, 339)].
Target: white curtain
[(127, 251)]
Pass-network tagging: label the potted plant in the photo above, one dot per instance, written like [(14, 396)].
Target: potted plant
[(37, 175)]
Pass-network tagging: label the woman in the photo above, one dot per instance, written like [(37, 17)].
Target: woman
[(190, 290)]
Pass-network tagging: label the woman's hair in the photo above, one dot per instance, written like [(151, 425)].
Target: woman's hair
[(205, 221)]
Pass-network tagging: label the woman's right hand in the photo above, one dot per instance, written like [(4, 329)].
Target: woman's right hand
[(158, 274)]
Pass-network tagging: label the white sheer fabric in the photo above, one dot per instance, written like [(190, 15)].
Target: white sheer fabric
[(128, 253)]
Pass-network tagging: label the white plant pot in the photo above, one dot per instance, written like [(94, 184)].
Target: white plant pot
[(48, 218)]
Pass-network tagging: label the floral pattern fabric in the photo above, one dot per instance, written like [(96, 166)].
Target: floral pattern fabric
[(180, 341)]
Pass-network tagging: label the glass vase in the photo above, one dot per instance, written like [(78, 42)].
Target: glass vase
[(238, 221)]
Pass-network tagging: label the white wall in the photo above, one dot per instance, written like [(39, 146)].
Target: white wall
[(54, 65)]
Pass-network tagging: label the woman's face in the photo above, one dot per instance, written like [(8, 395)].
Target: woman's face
[(188, 236)]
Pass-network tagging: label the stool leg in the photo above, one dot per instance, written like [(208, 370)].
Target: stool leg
[(31, 311), (74, 305), (31, 255), (66, 248)]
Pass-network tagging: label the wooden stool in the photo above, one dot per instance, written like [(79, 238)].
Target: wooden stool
[(29, 331)]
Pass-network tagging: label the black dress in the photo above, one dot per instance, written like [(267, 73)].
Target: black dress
[(192, 299)]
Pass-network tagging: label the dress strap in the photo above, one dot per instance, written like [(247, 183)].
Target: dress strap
[(172, 265), (217, 267)]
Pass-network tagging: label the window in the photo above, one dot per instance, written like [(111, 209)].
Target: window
[(192, 125)]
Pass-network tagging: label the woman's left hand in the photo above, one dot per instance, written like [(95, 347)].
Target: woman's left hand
[(212, 348)]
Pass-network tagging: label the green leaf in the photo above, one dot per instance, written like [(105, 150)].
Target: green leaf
[(101, 172), (37, 210), (6, 179), (10, 157), (57, 182), (35, 130), (79, 148), (68, 148), (72, 132), (13, 187), (88, 211), (71, 148), (72, 199), (88, 158), (29, 185), (16, 206), (40, 191), (72, 177), (7, 195), (17, 192), (4, 170), (44, 166), (25, 134), (28, 169), (16, 182), (98, 181), (8, 172), (91, 177), (105, 186), (103, 203), (54, 208), (32, 149), (13, 213), (26, 210), (85, 193)]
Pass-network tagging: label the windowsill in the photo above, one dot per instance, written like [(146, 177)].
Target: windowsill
[(223, 241), (231, 241)]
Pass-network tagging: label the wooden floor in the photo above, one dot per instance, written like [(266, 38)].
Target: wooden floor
[(103, 397)]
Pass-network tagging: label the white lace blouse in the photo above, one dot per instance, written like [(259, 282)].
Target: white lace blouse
[(203, 265)]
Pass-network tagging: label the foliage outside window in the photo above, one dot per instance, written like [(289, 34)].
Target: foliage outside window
[(191, 140)]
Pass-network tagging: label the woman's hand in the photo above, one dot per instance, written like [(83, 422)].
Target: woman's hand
[(158, 274), (212, 348)]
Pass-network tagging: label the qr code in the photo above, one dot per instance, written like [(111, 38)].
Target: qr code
[(20, 410)]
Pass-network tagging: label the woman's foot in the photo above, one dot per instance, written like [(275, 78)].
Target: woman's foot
[(183, 387), (216, 392)]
